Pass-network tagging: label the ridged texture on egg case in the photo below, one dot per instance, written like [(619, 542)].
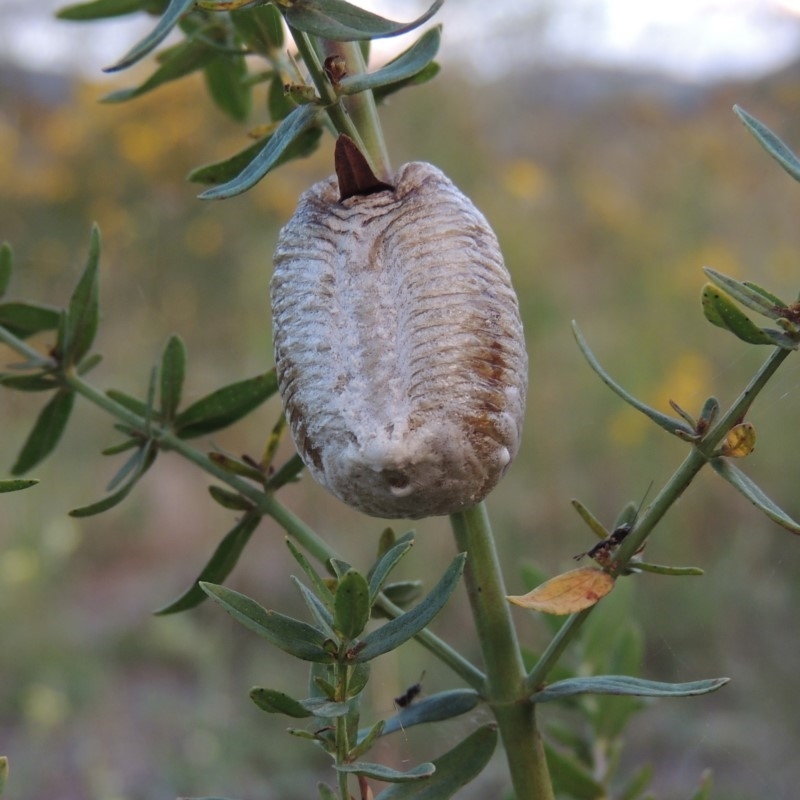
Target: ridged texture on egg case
[(399, 345)]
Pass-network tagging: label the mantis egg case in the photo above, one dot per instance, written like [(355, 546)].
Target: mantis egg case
[(399, 346)]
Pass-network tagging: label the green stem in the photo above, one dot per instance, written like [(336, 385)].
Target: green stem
[(24, 349), (355, 115), (504, 688), (698, 458), (342, 739), (361, 108), (683, 476)]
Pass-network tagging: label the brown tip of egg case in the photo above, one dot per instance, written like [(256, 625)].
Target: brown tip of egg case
[(353, 171)]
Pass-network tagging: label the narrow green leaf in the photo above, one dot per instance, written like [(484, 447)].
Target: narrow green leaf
[(753, 493), (279, 104), (750, 296), (83, 314), (433, 708), (61, 333), (219, 566), (324, 709), (273, 442), (40, 382), (88, 363), (275, 702), (324, 594), (385, 565), (351, 605), (288, 472), (320, 673), (151, 399), (230, 500), (173, 372), (236, 466), (366, 741), (404, 627), (423, 76), (454, 770), (225, 81), (386, 541), (312, 737), (122, 447), (570, 777), (259, 27), (402, 68), (182, 60), (17, 485), (130, 466), (225, 406), (597, 527), (343, 22), (323, 688), (319, 611), (6, 266), (100, 9), (669, 424), (302, 119), (624, 685), (379, 772), (403, 593), (768, 296), (297, 638), (142, 461), (339, 567), (3, 772), (172, 15), (223, 171), (709, 411), (771, 143), (46, 432), (359, 677), (26, 319)]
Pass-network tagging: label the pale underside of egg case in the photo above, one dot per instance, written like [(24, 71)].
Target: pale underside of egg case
[(398, 345)]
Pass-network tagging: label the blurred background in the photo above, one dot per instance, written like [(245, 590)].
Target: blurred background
[(598, 138)]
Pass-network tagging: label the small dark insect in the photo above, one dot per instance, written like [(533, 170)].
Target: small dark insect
[(410, 694), (602, 550)]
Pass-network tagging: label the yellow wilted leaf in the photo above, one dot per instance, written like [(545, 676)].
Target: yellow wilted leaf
[(566, 593), (740, 441)]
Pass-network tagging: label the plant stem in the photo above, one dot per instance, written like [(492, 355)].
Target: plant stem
[(361, 108), (355, 115), (504, 688), (696, 459), (342, 739), (24, 349)]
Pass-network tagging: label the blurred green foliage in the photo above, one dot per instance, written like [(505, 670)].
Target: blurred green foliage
[(607, 204)]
